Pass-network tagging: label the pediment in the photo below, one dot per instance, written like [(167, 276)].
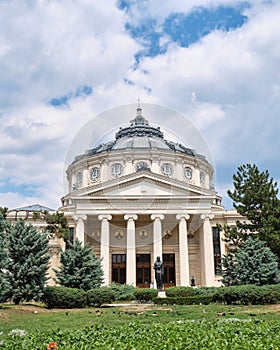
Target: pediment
[(144, 184)]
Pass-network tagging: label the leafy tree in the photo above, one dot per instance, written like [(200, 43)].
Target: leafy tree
[(255, 197), (4, 212), (57, 224), (252, 263), (28, 262), (80, 268)]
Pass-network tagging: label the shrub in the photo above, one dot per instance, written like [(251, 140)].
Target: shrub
[(64, 298), (99, 296), (145, 294), (191, 300), (269, 294), (248, 294), (123, 291), (206, 291), (179, 291)]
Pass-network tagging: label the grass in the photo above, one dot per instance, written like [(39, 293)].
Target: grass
[(33, 317), (141, 327)]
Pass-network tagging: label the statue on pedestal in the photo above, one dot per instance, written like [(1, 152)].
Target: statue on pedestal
[(159, 272)]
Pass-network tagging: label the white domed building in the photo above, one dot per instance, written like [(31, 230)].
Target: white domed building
[(140, 196)]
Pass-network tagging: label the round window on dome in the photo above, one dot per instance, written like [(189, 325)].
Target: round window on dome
[(116, 170), (188, 172), (167, 169), (142, 166), (94, 173), (202, 177)]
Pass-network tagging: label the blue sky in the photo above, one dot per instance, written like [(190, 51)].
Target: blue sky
[(64, 62)]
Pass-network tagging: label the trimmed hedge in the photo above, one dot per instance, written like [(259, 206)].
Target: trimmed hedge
[(206, 291), (248, 294), (64, 298), (191, 300), (145, 294), (179, 291), (99, 296), (123, 291)]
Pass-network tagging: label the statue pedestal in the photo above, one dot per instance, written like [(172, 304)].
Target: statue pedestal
[(161, 294)]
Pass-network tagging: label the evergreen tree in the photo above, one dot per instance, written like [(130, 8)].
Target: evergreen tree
[(252, 263), (255, 197), (80, 268), (4, 226), (28, 262)]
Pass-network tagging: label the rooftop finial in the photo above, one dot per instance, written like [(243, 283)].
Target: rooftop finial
[(139, 109), (139, 119)]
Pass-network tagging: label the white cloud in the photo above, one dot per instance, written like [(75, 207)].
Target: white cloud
[(228, 84), (49, 48)]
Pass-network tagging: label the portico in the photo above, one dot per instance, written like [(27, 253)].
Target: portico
[(129, 243)]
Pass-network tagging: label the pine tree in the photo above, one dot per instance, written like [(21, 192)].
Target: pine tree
[(255, 197), (80, 268), (28, 262), (4, 227), (252, 263)]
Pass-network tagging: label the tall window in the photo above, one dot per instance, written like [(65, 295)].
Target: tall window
[(119, 268), (217, 249)]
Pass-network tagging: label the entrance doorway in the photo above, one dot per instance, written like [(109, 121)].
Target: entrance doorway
[(119, 268), (143, 270), (169, 270)]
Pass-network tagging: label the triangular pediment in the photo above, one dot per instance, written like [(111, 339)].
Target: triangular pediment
[(144, 184)]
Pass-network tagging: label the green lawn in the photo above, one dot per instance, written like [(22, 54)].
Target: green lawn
[(187, 327)]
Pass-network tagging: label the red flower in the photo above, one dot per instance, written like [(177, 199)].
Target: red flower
[(52, 346)]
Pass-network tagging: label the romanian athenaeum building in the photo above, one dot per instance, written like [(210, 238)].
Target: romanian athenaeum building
[(140, 196)]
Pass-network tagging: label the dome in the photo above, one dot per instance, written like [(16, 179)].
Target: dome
[(139, 135), (137, 148)]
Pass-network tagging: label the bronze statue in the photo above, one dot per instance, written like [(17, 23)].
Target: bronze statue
[(159, 272)]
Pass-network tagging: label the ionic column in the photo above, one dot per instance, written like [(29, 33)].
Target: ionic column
[(80, 227), (183, 250), (206, 251), (157, 234), (130, 249), (105, 246)]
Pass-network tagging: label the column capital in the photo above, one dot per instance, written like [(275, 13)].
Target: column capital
[(208, 216), (78, 217), (182, 216), (157, 217), (106, 217), (130, 217)]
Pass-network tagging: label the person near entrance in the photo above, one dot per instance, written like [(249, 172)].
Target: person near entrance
[(159, 272)]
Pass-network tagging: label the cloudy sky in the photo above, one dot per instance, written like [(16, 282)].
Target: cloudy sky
[(64, 62)]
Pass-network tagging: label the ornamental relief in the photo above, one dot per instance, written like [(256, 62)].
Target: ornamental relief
[(143, 235), (119, 234)]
